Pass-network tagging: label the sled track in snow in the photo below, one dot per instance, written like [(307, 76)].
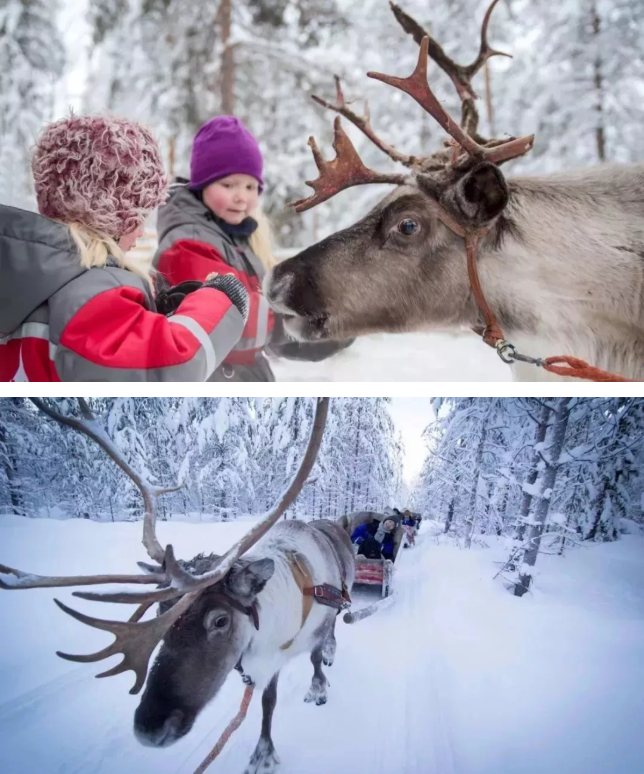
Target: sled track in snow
[(412, 711), (426, 736)]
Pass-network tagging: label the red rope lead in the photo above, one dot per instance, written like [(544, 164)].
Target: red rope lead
[(232, 727), (580, 369)]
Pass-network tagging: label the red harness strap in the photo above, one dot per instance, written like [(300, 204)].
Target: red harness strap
[(230, 729), (326, 594), (493, 335)]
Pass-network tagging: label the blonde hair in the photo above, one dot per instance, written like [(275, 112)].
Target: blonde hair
[(95, 249), (260, 241)]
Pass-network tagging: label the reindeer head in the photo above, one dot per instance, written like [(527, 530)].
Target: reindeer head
[(207, 614), (400, 267), (200, 650)]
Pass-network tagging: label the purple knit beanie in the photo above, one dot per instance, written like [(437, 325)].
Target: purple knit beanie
[(223, 146)]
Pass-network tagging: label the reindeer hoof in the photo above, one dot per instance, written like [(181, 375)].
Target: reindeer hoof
[(317, 694), (328, 652), (263, 760)]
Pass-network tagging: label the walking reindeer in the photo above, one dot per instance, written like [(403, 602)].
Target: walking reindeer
[(559, 258), (251, 609)]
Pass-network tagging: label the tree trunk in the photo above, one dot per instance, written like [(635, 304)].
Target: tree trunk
[(10, 473), (356, 472), (227, 59), (562, 412), (450, 516), (472, 516), (531, 478), (598, 81)]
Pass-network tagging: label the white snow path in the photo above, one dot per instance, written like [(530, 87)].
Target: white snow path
[(457, 677)]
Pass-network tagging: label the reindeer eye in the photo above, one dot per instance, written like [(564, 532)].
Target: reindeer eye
[(216, 620), (407, 226)]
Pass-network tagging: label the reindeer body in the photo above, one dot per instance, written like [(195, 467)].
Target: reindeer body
[(567, 276), (280, 602), (196, 656)]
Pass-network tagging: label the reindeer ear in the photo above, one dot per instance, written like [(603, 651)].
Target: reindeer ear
[(483, 192), (248, 581)]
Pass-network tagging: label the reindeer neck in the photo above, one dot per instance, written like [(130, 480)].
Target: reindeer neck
[(280, 618), (560, 273)]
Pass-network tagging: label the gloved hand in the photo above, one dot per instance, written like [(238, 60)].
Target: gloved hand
[(168, 299), (233, 288)]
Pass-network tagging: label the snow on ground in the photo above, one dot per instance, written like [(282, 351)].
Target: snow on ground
[(457, 677), (408, 357)]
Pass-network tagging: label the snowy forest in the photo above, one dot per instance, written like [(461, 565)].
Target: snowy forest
[(515, 629), (576, 80), (230, 457), (548, 472)]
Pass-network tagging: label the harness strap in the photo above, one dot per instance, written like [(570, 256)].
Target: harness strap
[(343, 575), (492, 334), (303, 579), (328, 595), (230, 729)]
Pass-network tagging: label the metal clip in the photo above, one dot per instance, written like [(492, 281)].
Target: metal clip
[(508, 354), (506, 351)]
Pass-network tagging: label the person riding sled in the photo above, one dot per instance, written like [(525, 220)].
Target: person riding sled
[(76, 305), (212, 224), (375, 539)]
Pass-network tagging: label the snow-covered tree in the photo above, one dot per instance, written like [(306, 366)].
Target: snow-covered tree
[(32, 57)]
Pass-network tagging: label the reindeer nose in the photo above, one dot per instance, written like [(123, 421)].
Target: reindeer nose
[(276, 288), (154, 731)]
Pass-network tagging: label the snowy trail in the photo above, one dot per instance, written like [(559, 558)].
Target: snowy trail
[(457, 677), (374, 696)]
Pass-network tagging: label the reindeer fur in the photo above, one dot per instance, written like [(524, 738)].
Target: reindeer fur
[(562, 266)]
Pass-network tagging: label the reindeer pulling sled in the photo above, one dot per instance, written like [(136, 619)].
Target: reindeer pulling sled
[(379, 571), (250, 610)]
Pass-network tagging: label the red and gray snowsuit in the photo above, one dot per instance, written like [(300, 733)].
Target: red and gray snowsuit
[(192, 243), (60, 322)]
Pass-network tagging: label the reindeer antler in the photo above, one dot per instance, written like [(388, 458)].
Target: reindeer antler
[(347, 169), (416, 86), (460, 75), (136, 639), (344, 171), (363, 123)]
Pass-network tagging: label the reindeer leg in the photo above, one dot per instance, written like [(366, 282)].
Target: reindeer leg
[(317, 691), (328, 647), (264, 760)]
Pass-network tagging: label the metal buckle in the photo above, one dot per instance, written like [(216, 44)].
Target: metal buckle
[(508, 354), (317, 589), (506, 351)]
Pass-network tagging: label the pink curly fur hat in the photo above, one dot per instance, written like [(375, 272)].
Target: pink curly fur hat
[(104, 173)]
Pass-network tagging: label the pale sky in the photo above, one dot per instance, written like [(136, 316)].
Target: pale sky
[(411, 416)]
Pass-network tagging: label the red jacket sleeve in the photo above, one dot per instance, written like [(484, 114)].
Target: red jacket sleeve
[(190, 259), (113, 337)]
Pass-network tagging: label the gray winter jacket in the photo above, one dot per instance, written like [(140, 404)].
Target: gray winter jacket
[(61, 322), (193, 243)]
